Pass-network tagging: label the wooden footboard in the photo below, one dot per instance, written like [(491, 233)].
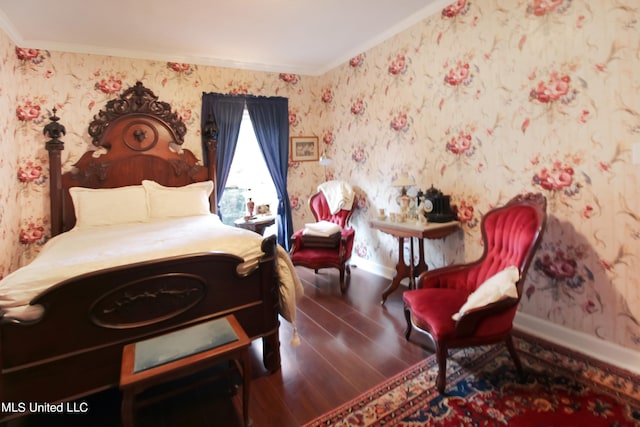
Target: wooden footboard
[(75, 348)]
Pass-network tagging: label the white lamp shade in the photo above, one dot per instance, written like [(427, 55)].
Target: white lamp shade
[(403, 181)]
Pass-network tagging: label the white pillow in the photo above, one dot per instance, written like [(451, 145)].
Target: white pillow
[(171, 202), (122, 205), (321, 228), (499, 286)]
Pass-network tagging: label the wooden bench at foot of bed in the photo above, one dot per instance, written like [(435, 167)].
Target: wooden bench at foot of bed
[(75, 348)]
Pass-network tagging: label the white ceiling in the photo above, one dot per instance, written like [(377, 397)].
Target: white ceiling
[(292, 36)]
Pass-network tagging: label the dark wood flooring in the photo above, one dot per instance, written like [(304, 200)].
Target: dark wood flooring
[(349, 343)]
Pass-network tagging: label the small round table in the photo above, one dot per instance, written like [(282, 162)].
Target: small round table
[(256, 223)]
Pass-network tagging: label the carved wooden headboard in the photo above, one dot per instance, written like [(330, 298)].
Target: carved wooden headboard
[(137, 137)]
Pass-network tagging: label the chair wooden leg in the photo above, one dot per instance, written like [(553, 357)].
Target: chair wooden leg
[(514, 355), (344, 281), (343, 287), (407, 315), (441, 355)]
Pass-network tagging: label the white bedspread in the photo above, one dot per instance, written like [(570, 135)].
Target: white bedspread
[(86, 250)]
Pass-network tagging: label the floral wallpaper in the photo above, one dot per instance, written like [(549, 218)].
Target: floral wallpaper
[(11, 189), (485, 100), (493, 98)]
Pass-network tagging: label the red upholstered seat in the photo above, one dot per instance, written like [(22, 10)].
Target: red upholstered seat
[(316, 256), (432, 309), (511, 234)]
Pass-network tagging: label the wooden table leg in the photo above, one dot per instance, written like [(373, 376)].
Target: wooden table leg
[(420, 232), (412, 269), (409, 270), (246, 383), (127, 408), (422, 266), (402, 271)]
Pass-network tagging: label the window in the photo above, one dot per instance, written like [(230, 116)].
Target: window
[(248, 178)]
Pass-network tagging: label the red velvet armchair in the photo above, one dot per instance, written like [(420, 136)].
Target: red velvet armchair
[(316, 256), (511, 234)]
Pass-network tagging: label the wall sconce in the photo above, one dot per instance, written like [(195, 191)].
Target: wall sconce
[(324, 158), (325, 161)]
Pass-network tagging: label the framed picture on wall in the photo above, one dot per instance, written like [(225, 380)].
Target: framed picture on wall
[(304, 148)]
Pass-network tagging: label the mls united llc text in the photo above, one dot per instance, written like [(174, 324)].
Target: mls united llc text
[(45, 408)]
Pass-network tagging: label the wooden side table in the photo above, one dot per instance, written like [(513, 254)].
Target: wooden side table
[(411, 230), (182, 353), (256, 224)]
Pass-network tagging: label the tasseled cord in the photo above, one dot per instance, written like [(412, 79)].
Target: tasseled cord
[(295, 339)]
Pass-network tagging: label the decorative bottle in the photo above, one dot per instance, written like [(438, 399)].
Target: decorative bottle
[(250, 206)]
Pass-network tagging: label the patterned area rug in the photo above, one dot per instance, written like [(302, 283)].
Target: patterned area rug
[(560, 388)]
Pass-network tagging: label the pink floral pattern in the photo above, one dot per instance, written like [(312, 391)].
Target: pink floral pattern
[(568, 281), (328, 137), (460, 144), (400, 122), (179, 67), (466, 213), (33, 56), (544, 7), (356, 61), (327, 95), (110, 85), (484, 100), (289, 78), (293, 119), (294, 199), (555, 178), (31, 172), (459, 75), (33, 233), (398, 65), (28, 111), (185, 114), (460, 7), (358, 107), (360, 250), (359, 155), (556, 88), (235, 88), (558, 267)]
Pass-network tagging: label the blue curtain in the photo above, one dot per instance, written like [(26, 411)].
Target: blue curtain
[(227, 111), (270, 118)]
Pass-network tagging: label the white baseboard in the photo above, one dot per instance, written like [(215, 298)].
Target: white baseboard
[(372, 267), (580, 342)]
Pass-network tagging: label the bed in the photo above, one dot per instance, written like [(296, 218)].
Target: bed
[(92, 289)]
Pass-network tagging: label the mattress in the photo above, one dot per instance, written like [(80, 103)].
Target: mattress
[(89, 249)]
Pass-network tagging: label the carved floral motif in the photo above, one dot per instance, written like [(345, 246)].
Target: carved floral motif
[(136, 99)]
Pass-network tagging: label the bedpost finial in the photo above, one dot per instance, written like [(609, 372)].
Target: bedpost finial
[(210, 129), (54, 130)]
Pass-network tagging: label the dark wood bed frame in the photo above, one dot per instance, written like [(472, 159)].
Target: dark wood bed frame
[(75, 348)]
